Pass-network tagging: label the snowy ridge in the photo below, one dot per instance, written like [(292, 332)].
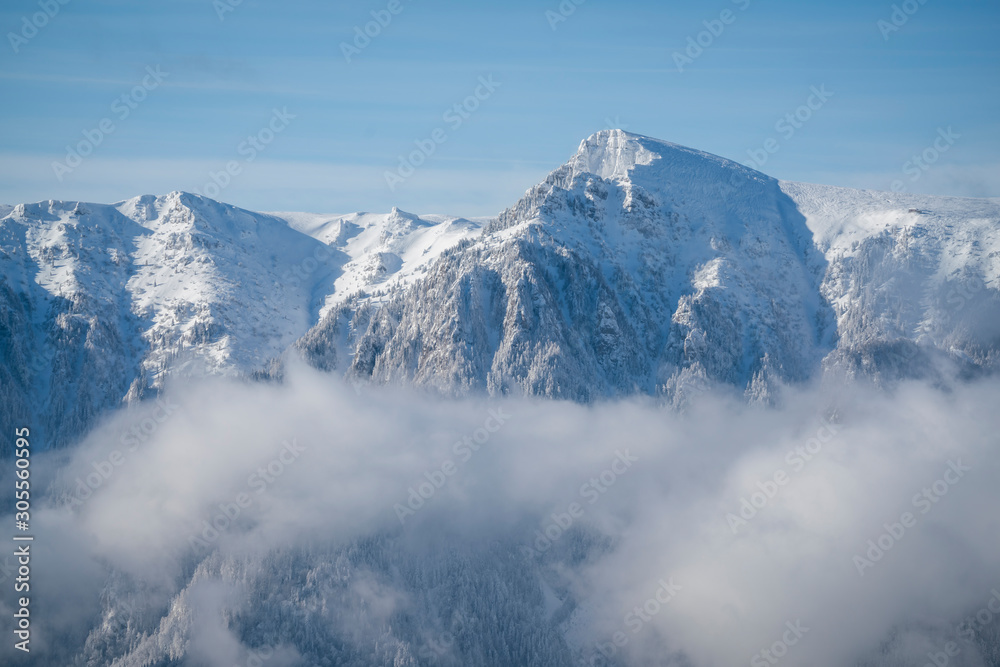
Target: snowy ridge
[(639, 266), (911, 277), (72, 342), (385, 252), (210, 278), (104, 302)]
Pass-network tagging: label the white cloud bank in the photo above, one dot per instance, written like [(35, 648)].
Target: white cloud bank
[(869, 527)]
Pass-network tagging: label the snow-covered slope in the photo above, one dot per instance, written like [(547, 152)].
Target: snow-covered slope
[(214, 283), (385, 252), (914, 279), (69, 341), (101, 303)]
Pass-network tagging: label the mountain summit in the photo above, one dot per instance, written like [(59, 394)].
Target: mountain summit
[(612, 154), (644, 266), (638, 266)]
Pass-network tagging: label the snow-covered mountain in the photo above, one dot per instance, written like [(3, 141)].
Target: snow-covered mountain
[(639, 266), (914, 280), (102, 303), (643, 266)]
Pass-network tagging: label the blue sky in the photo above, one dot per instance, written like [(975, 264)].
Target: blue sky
[(608, 64)]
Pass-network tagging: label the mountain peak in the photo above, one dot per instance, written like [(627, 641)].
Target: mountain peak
[(611, 154), (614, 155), (397, 214), (648, 171)]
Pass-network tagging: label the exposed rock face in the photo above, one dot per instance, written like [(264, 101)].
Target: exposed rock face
[(639, 266)]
